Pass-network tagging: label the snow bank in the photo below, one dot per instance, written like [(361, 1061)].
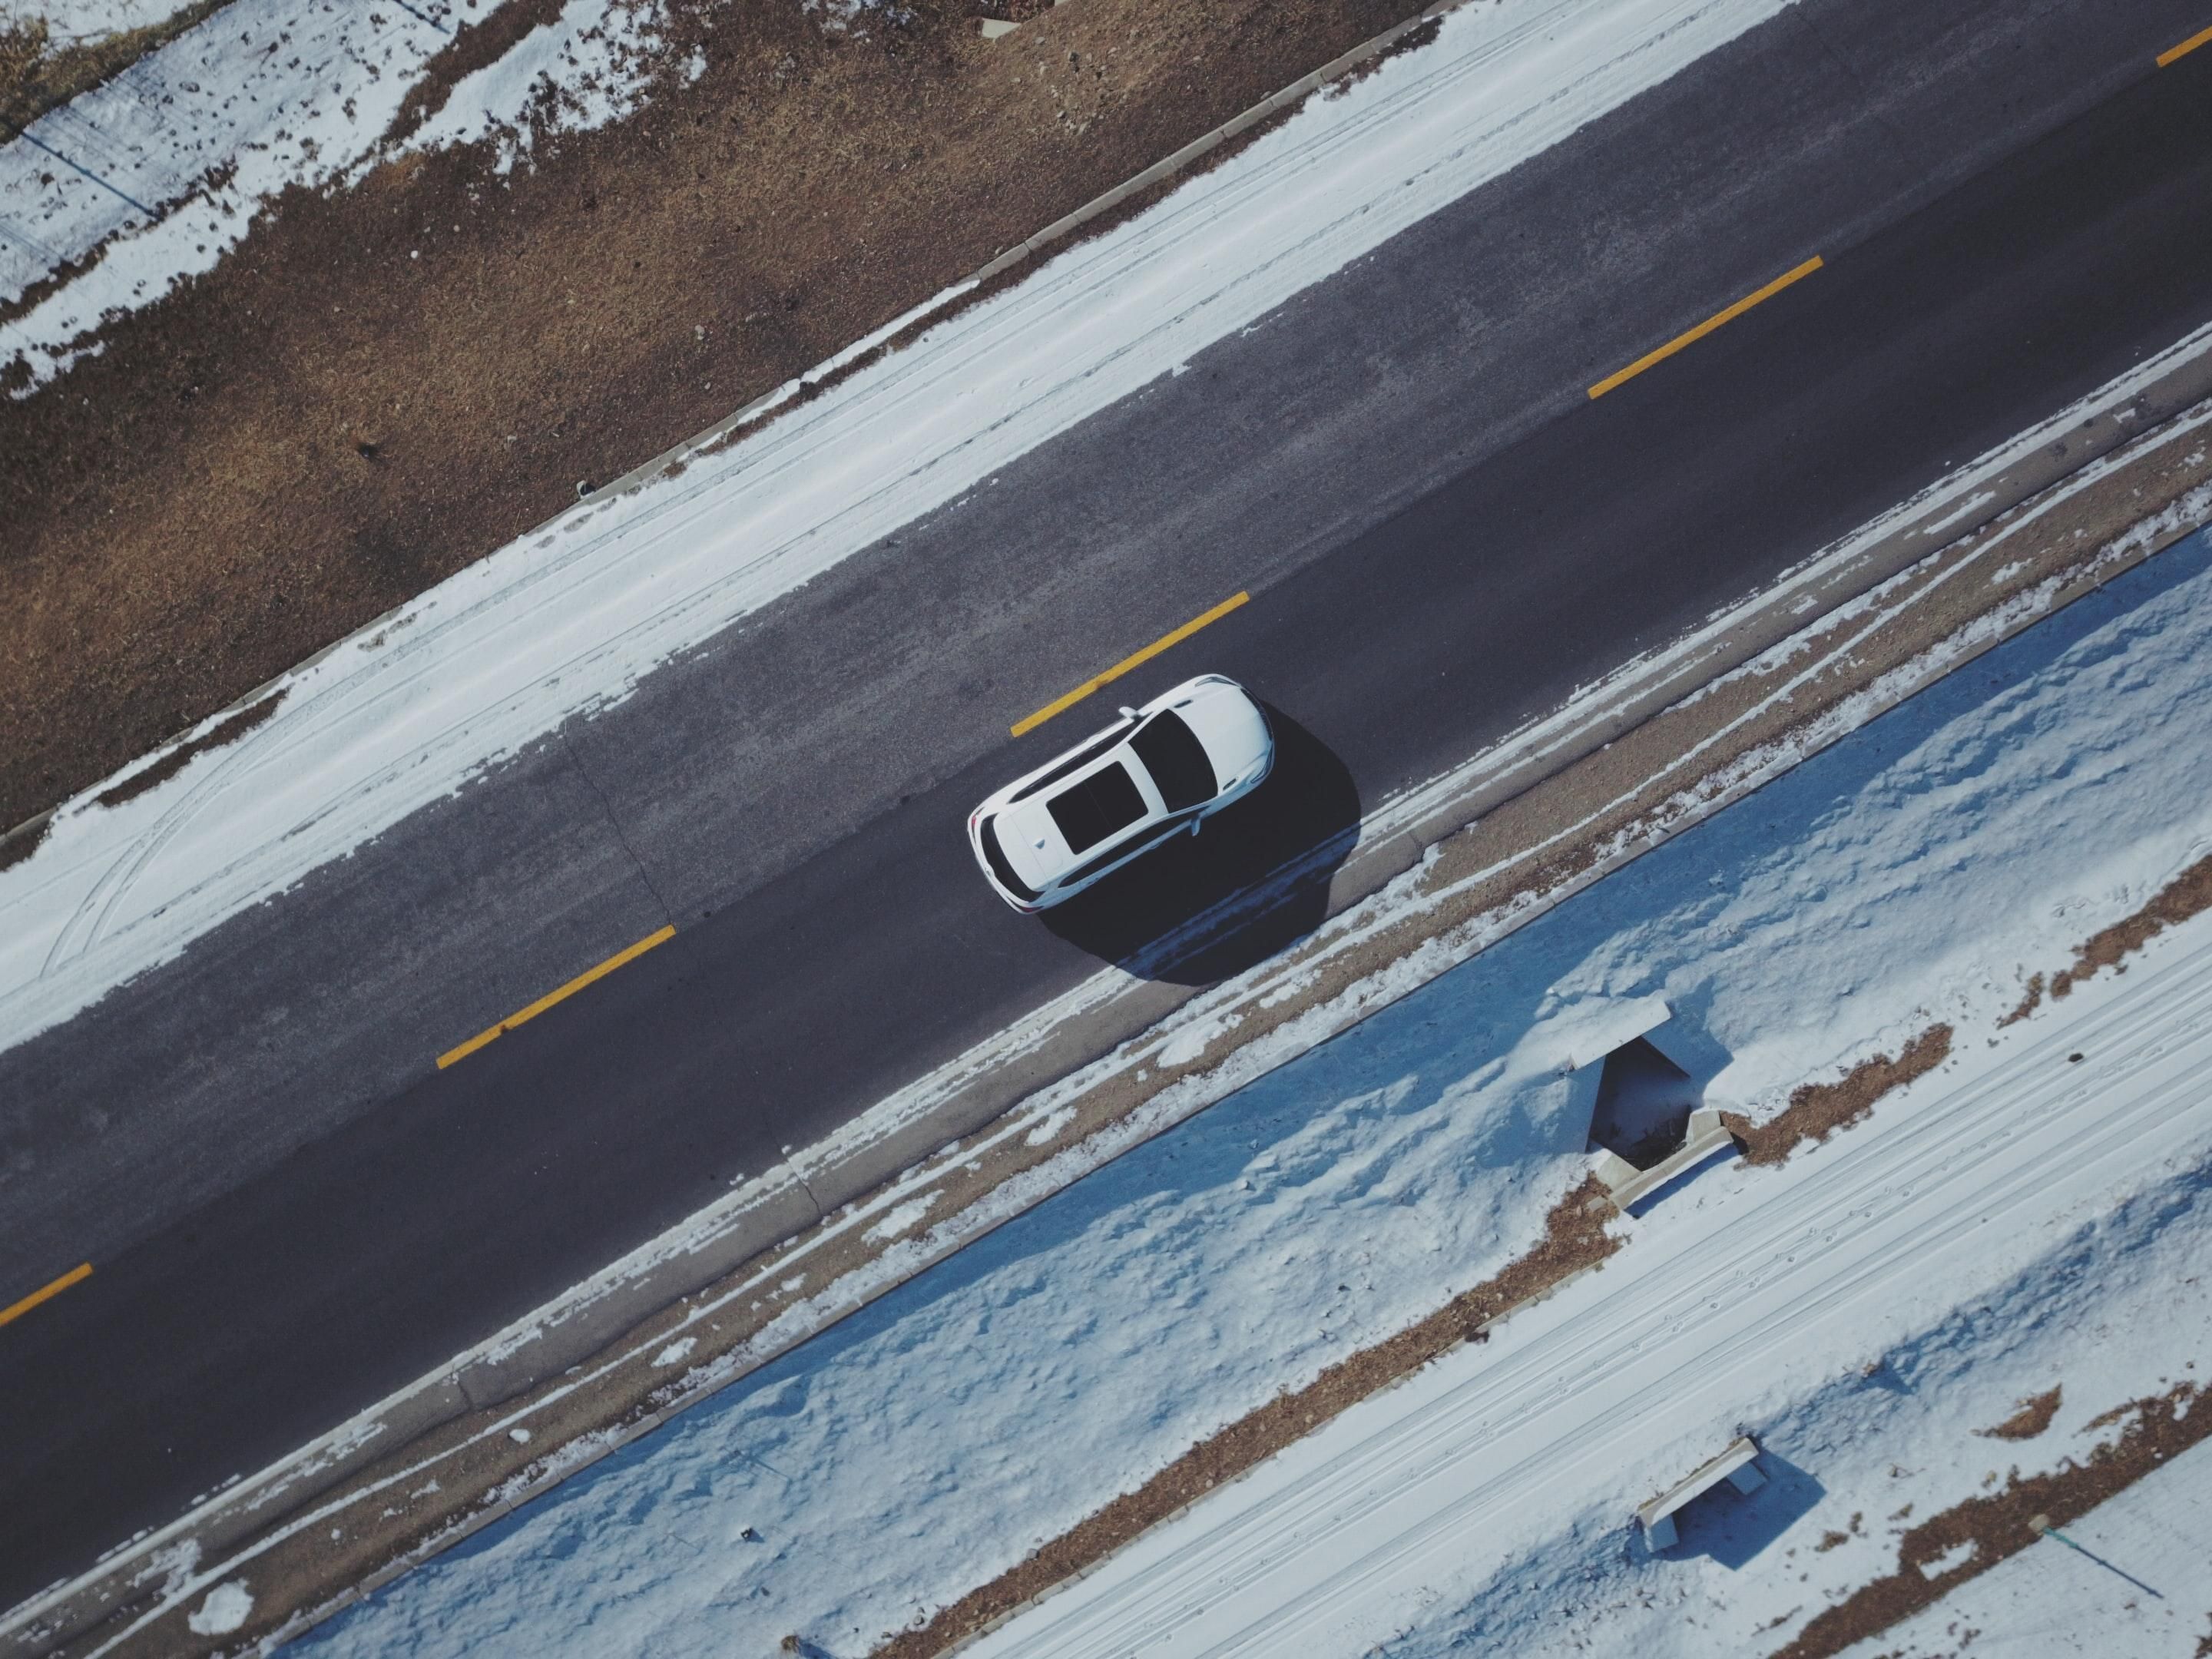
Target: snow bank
[(1918, 870)]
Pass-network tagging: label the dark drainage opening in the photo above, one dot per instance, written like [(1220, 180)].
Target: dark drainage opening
[(1643, 1105)]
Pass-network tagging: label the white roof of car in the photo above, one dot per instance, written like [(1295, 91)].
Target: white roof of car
[(1220, 714)]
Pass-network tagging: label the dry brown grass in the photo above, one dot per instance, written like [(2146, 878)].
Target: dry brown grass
[(2033, 1418), (1817, 1110), (2187, 895)]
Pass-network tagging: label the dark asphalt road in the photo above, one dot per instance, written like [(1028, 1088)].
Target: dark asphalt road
[(292, 1212)]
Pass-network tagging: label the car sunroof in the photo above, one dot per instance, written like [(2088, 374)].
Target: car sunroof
[(1103, 805)]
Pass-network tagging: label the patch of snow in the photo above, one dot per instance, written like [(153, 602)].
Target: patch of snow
[(677, 1351), (586, 68), (228, 1607), (173, 1565), (1958, 515), (1957, 1556), (1194, 1040), (1051, 1127), (901, 1220)]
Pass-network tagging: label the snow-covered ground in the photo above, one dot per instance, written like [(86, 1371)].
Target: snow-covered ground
[(580, 71), (2014, 1220), (73, 22), (570, 619), (2148, 1594), (1484, 1508), (152, 176)]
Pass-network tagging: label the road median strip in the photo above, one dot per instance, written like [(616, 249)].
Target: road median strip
[(462, 1050), (1691, 336), (16, 1311)]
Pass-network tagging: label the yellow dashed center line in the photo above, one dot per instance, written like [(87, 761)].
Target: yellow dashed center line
[(1705, 327), (465, 1049), (46, 1292), (2184, 48), (1127, 663)]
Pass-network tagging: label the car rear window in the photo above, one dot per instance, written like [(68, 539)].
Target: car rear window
[(1075, 763), (987, 833), (1173, 755), (1104, 804)]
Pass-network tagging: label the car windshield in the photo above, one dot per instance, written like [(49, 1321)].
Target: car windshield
[(1103, 805), (1173, 755)]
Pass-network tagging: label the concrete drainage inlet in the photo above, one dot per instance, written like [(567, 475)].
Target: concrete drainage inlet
[(1643, 1105), (1649, 1124)]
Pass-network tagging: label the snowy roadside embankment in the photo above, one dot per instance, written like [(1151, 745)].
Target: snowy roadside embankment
[(1917, 871), (569, 619), (1917, 1418)]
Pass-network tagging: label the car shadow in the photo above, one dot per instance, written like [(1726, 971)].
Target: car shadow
[(1253, 881)]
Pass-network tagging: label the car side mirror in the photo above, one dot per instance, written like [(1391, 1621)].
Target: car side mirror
[(1127, 712), (1195, 823)]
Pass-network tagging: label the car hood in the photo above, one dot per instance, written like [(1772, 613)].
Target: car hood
[(1230, 726)]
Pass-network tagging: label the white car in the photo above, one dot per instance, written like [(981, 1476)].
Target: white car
[(1161, 769)]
